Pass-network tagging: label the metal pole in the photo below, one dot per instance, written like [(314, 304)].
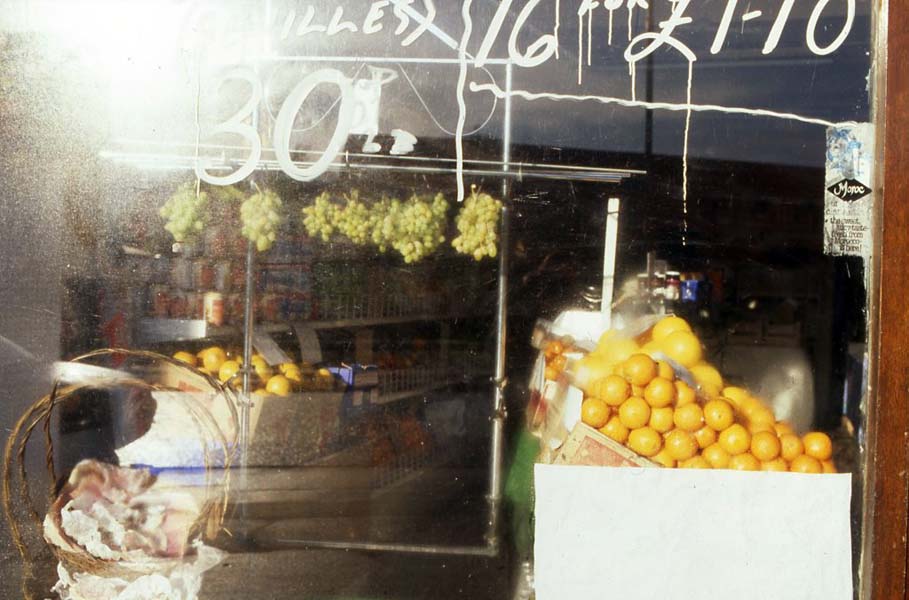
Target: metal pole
[(609, 259), (245, 402), (497, 449)]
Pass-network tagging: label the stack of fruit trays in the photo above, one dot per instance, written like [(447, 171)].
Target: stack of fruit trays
[(656, 395)]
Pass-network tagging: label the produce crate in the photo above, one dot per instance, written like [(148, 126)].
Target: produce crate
[(587, 446)]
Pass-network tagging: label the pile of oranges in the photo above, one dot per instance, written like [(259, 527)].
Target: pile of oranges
[(638, 400)]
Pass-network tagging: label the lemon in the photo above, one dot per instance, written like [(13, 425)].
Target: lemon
[(212, 358), (228, 370), (262, 369), (279, 385), (186, 357)]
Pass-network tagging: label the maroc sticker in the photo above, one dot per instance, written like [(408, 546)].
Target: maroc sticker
[(848, 195)]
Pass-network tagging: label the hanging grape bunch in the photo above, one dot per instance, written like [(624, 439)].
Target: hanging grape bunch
[(420, 227), (478, 224), (354, 220), (186, 213), (384, 222), (321, 218), (261, 217)]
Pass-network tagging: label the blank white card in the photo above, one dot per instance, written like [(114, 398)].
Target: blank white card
[(667, 534)]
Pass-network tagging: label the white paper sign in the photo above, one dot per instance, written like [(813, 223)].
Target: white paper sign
[(668, 534)]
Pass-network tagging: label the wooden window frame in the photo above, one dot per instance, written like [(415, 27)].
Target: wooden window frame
[(885, 558)]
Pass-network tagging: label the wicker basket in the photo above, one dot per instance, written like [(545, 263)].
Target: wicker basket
[(20, 508)]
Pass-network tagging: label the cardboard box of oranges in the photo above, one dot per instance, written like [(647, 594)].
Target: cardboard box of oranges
[(655, 396)]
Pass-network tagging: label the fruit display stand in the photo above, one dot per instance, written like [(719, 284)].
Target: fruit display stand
[(658, 437)]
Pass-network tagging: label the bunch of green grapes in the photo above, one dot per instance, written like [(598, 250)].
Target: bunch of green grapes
[(420, 227), (321, 218), (478, 224), (261, 217), (383, 220), (354, 220), (186, 213)]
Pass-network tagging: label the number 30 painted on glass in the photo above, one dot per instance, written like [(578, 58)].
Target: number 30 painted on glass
[(284, 127)]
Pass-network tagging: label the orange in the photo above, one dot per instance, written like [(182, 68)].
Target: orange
[(707, 375), (661, 419), (818, 445), (828, 467), (696, 462), (639, 369), (612, 390), (718, 414), (705, 436), (684, 394), (735, 395), (559, 362), (595, 412), (744, 462), (689, 417), (782, 427), (680, 444), (616, 350), (637, 390), (605, 337), (615, 430), (651, 348), (554, 348), (591, 369), (777, 464), (735, 439), (765, 445), (551, 373), (709, 391), (806, 464), (645, 441), (748, 406), (664, 370), (634, 413), (716, 456), (659, 392), (791, 446), (759, 427), (762, 415), (663, 458), (667, 326), (683, 347)]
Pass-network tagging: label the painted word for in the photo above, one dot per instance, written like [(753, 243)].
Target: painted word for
[(358, 113)]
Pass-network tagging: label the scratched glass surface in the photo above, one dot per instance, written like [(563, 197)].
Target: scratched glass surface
[(708, 120)]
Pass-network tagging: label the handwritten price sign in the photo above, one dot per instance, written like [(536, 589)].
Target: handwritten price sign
[(410, 20)]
